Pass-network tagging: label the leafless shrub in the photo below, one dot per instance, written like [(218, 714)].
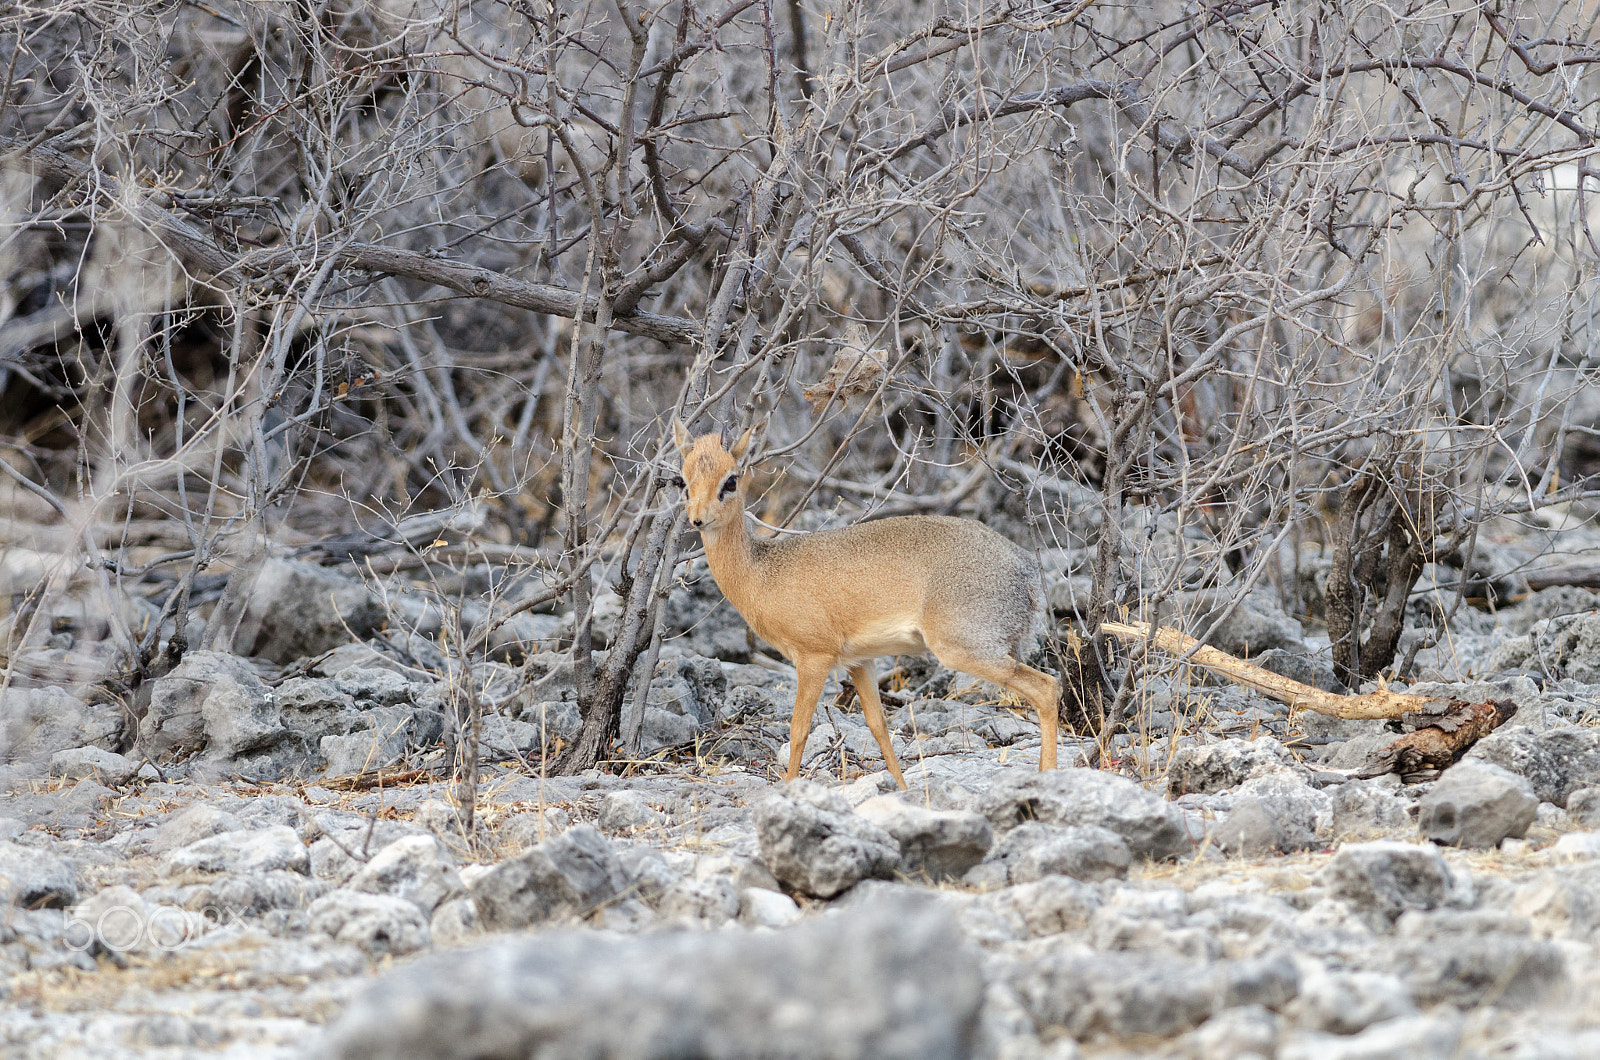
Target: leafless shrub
[(273, 272)]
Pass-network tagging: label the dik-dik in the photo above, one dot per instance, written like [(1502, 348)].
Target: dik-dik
[(901, 586)]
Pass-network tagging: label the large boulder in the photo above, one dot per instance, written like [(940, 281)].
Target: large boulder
[(887, 980), (36, 879), (1132, 995), (298, 609), (1555, 762), (35, 723), (813, 842), (212, 702), (1032, 851), (413, 867), (92, 763), (257, 850), (1477, 804), (1385, 879), (380, 925), (941, 844), (1151, 826), (1222, 766), (566, 876)]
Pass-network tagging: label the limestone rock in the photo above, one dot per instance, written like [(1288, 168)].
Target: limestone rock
[(813, 842)]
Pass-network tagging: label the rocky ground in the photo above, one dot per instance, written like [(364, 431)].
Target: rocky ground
[(268, 871)]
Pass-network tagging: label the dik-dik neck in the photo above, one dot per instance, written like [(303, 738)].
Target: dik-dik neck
[(730, 552)]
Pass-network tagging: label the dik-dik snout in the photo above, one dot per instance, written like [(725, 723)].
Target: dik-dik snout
[(885, 587)]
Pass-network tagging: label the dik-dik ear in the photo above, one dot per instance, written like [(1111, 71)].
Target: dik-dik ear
[(680, 436), (742, 446)]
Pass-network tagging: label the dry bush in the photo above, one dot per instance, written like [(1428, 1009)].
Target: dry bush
[(1157, 288)]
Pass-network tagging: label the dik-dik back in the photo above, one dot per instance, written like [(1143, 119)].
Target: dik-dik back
[(888, 587)]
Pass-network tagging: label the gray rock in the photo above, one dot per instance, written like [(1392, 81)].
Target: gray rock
[(1151, 827), (813, 842), (1476, 804), (1220, 766), (1363, 808), (623, 811), (36, 879), (365, 751), (1033, 851), (454, 921), (1246, 1033), (1555, 762), (700, 617), (1545, 604), (1583, 807), (707, 903), (885, 981), (193, 823), (92, 763), (1257, 827), (379, 924), (941, 844), (1048, 906), (1132, 994), (260, 850), (1384, 879), (663, 728), (1407, 1038), (212, 702), (298, 609), (759, 907), (119, 921), (35, 723), (1347, 1002), (1477, 965), (566, 876), (1243, 628), (415, 868)]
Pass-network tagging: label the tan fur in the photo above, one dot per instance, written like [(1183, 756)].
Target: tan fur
[(898, 586)]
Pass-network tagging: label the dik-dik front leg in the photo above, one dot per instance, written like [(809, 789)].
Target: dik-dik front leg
[(866, 683), (811, 673)]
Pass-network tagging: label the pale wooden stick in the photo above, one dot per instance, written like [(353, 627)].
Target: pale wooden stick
[(1380, 704)]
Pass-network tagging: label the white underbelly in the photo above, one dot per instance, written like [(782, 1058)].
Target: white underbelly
[(897, 638)]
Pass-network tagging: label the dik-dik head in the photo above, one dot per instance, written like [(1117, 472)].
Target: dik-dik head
[(712, 484)]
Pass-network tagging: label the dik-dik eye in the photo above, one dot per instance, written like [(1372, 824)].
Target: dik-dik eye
[(675, 481), (729, 484)]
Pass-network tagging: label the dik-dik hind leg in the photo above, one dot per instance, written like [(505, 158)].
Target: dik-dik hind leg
[(866, 683), (810, 675), (1036, 686)]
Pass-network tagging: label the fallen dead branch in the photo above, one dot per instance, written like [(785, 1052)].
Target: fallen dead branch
[(1439, 731), (382, 778), (1581, 575)]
